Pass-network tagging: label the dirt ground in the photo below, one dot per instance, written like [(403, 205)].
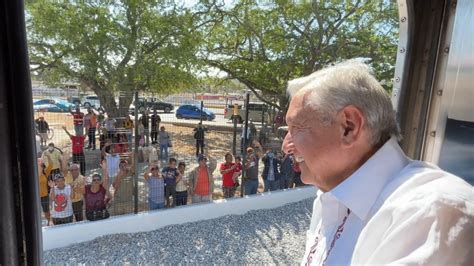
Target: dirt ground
[(218, 142)]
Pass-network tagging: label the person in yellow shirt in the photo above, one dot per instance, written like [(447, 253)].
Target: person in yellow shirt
[(56, 160), (77, 183), (129, 126), (44, 172)]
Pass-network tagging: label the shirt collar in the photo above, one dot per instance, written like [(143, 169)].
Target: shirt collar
[(360, 190)]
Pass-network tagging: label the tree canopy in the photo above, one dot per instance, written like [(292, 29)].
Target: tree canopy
[(264, 46), (161, 46), (112, 47)]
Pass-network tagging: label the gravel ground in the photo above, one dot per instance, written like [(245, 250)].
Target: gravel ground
[(275, 236)]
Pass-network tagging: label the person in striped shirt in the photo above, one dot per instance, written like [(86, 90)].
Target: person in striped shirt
[(156, 186)]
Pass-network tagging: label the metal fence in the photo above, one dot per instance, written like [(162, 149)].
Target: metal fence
[(111, 161)]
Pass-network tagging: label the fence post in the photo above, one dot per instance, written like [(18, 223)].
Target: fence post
[(244, 152), (202, 107), (234, 119), (135, 157)]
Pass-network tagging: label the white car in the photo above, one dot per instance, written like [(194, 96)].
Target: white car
[(91, 101)]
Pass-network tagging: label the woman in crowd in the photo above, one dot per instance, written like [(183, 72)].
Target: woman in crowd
[(181, 186), (156, 186), (123, 189), (227, 171), (96, 196)]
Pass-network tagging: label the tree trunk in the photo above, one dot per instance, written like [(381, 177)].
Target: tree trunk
[(108, 102), (283, 101)]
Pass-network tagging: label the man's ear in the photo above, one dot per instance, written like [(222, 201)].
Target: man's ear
[(351, 123)]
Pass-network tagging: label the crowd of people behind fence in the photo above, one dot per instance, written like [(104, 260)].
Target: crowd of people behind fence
[(67, 193)]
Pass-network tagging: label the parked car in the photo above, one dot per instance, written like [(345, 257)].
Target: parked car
[(64, 105), (255, 112), (189, 111), (52, 105), (152, 104), (281, 132), (91, 101), (76, 100), (47, 108)]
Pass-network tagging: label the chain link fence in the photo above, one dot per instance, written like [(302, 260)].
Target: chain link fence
[(145, 154)]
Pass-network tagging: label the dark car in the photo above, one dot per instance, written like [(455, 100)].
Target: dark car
[(152, 104), (189, 111), (76, 100)]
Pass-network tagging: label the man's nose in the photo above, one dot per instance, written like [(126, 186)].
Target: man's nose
[(288, 147)]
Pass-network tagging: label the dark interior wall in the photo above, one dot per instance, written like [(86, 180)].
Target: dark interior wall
[(20, 228)]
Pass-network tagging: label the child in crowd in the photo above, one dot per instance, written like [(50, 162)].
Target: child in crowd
[(170, 174), (237, 171), (60, 197), (156, 185), (182, 186)]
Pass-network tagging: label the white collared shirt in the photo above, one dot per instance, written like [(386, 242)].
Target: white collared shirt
[(400, 211)]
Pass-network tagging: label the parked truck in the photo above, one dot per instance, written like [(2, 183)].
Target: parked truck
[(257, 112)]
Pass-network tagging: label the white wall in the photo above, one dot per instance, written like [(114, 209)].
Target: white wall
[(65, 235)]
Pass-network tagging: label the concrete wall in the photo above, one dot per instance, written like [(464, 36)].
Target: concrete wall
[(65, 235)]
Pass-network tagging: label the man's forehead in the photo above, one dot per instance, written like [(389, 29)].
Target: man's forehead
[(297, 112)]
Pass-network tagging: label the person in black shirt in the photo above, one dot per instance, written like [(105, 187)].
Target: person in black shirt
[(43, 129), (155, 125), (171, 174), (199, 133), (145, 122)]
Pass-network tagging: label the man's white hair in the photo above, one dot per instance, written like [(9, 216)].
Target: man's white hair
[(329, 90)]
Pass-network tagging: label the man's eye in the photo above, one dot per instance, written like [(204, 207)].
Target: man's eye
[(296, 129)]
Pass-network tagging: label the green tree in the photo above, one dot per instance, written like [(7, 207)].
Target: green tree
[(113, 46), (266, 45)]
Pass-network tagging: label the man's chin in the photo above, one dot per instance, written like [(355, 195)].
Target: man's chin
[(306, 176)]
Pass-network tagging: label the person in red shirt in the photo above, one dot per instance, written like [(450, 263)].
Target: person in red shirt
[(201, 180), (237, 171), (227, 171), (122, 145), (297, 174), (78, 150), (78, 117)]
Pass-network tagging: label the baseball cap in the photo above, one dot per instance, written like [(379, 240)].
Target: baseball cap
[(58, 176), (202, 157), (74, 166)]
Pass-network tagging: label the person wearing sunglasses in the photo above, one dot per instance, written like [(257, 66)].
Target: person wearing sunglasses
[(156, 188), (96, 197)]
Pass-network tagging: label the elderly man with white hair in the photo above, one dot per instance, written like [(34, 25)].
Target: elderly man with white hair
[(374, 205)]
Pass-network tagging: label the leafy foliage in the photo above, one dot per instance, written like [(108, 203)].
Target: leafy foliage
[(160, 46), (112, 46), (264, 46)]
